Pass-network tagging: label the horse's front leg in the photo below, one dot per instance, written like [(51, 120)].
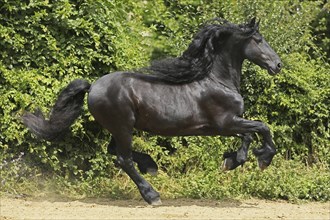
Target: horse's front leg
[(237, 125), (237, 158)]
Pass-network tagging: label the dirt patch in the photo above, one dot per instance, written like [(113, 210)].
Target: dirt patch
[(34, 208)]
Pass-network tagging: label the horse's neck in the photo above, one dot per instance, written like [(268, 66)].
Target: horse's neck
[(228, 71)]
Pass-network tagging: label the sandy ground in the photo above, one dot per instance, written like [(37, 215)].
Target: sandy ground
[(48, 208)]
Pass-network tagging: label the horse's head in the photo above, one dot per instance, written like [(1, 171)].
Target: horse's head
[(259, 52)]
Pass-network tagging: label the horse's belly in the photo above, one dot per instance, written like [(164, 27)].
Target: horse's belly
[(203, 130), (174, 126)]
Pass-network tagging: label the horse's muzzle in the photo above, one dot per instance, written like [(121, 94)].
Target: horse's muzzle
[(276, 68)]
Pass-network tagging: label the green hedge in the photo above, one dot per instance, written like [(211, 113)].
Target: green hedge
[(46, 44)]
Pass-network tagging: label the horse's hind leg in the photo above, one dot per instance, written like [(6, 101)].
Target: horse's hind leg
[(125, 161), (237, 158), (144, 161)]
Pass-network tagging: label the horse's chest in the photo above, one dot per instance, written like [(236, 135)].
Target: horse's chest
[(227, 101)]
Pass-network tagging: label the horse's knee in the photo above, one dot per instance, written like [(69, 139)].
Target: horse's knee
[(247, 138)]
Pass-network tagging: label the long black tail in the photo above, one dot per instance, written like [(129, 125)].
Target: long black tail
[(66, 110)]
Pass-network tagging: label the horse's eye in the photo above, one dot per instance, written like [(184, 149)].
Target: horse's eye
[(258, 40)]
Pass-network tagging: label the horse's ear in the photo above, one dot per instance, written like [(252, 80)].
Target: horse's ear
[(256, 27), (252, 22)]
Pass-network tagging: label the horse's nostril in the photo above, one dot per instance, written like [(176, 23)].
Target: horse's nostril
[(279, 65)]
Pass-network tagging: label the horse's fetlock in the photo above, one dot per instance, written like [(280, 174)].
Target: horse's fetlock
[(248, 138)]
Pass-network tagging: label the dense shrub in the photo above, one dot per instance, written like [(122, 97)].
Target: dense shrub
[(46, 44)]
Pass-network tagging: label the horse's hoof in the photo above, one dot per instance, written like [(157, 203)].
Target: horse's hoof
[(227, 164), (230, 164), (262, 165), (157, 202), (224, 165), (152, 171)]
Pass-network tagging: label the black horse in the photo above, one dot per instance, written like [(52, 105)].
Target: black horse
[(197, 93)]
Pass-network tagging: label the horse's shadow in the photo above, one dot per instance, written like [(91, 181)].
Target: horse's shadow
[(140, 203)]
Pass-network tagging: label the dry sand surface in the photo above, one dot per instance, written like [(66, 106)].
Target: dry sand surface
[(55, 208)]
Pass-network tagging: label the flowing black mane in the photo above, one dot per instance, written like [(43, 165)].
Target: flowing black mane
[(196, 62)]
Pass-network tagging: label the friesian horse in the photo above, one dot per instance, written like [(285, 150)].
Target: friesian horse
[(197, 93)]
